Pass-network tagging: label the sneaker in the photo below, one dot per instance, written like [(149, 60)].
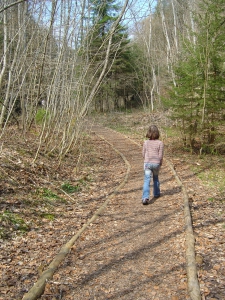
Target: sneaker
[(145, 201)]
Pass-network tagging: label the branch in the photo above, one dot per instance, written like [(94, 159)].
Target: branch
[(105, 63), (11, 112), (12, 4)]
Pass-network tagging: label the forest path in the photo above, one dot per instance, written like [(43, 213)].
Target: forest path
[(132, 251)]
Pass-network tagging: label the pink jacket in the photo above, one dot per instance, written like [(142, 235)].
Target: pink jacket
[(153, 151)]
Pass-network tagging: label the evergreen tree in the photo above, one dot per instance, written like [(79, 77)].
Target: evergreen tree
[(198, 99), (116, 81)]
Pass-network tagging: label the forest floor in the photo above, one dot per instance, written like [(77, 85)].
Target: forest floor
[(130, 251)]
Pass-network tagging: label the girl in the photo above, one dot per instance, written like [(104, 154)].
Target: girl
[(153, 158)]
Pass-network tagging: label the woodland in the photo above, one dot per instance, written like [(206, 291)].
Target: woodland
[(66, 65), (63, 60)]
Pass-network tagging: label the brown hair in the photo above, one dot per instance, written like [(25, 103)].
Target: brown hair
[(153, 132)]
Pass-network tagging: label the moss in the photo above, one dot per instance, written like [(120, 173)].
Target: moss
[(11, 222)]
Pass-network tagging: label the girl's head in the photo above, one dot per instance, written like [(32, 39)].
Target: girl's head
[(153, 133)]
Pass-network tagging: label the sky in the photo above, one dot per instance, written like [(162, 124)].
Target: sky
[(139, 10)]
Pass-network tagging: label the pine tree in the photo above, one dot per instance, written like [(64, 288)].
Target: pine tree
[(198, 99), (104, 13)]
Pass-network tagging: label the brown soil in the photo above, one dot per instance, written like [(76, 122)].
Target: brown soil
[(131, 251)]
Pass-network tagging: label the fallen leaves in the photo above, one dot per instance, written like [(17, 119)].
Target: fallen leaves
[(51, 221), (24, 257)]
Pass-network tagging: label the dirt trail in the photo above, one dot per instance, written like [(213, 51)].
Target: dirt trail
[(132, 251)]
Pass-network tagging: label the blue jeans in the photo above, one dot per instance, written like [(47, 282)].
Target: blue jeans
[(151, 170)]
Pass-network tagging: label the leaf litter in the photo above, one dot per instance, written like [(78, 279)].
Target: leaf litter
[(51, 221)]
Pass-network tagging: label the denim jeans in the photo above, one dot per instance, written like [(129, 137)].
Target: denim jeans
[(151, 170)]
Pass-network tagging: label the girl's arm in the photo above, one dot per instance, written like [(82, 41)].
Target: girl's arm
[(161, 152)]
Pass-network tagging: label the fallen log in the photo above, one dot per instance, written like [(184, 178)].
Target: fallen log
[(192, 278), (38, 288)]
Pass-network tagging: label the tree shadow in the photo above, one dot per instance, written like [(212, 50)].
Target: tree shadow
[(140, 228), (130, 256)]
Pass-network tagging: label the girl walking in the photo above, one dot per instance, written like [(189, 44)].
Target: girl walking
[(153, 158)]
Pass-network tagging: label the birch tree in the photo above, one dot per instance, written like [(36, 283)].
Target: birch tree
[(149, 55), (45, 60)]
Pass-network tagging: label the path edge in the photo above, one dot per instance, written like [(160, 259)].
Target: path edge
[(38, 288), (191, 266)]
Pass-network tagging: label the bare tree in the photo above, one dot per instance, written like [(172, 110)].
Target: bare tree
[(4, 60), (45, 60)]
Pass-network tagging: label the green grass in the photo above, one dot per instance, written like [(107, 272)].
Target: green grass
[(41, 115), (68, 188), (211, 199), (11, 221), (212, 175), (46, 193), (48, 216), (47, 197)]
